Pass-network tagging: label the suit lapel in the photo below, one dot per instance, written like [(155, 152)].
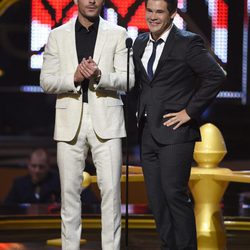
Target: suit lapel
[(141, 49), (166, 50), (100, 40), (71, 40)]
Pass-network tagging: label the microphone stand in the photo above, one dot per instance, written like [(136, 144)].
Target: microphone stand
[(129, 43)]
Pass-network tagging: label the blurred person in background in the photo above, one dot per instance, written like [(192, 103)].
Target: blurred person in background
[(40, 185)]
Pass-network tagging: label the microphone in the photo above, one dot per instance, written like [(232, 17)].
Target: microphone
[(129, 43)]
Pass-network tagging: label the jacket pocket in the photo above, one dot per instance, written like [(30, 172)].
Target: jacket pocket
[(173, 106), (62, 102), (111, 102)]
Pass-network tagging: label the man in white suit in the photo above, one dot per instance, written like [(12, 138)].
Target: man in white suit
[(85, 65)]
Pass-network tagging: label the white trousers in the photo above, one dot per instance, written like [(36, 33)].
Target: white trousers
[(107, 157)]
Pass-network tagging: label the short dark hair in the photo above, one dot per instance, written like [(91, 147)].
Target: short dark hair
[(172, 5)]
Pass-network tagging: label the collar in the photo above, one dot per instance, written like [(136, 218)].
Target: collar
[(164, 36), (94, 26)]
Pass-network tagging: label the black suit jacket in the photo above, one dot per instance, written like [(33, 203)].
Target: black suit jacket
[(184, 60), (23, 190)]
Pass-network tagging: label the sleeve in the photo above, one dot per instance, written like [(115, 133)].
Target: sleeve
[(117, 80), (208, 71), (52, 80), (12, 197)]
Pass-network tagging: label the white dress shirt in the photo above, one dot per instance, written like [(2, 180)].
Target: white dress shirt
[(149, 48)]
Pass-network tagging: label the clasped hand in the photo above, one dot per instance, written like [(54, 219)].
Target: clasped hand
[(87, 69)]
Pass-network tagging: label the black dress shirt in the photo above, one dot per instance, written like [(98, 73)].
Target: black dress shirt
[(85, 45)]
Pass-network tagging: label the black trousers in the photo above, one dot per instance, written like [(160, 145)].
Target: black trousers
[(166, 170)]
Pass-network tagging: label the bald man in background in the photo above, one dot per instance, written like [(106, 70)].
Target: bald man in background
[(40, 185)]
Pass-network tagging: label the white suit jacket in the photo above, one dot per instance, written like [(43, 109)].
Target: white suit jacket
[(105, 104)]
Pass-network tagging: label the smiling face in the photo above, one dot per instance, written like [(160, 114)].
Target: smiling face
[(89, 9), (158, 17)]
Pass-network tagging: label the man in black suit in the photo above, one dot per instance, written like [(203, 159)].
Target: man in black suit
[(168, 63), (40, 185)]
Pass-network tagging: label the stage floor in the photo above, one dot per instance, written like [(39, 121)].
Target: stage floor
[(138, 239), (32, 227)]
